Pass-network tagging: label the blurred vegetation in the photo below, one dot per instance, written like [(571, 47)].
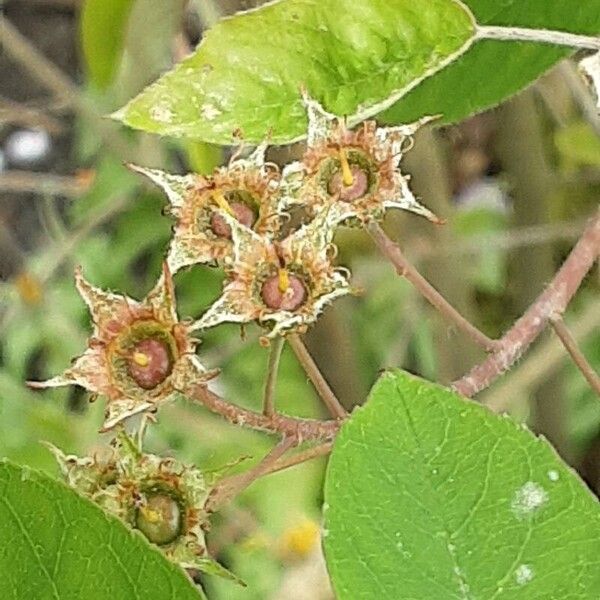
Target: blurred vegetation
[(514, 184)]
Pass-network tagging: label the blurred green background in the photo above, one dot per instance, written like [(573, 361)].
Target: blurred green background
[(515, 185)]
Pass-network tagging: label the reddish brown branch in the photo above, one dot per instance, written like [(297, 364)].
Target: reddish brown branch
[(393, 253), (300, 457), (562, 331), (229, 487), (272, 372), (552, 301), (312, 370), (292, 427)]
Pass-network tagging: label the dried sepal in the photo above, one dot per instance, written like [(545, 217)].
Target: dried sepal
[(282, 284), (160, 497), (354, 174), (248, 189), (139, 354)]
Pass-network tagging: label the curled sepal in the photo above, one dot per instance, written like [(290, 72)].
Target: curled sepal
[(212, 567), (590, 67), (282, 285), (354, 174), (88, 475), (160, 497), (139, 354), (246, 189)]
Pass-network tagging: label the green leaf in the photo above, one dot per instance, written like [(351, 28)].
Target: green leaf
[(103, 24), (356, 58), (494, 70), (59, 546), (432, 496)]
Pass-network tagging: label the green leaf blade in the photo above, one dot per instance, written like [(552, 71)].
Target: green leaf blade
[(492, 71), (431, 496), (60, 546), (354, 57)]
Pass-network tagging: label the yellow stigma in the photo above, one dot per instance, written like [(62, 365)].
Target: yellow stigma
[(222, 203), (284, 281), (152, 516), (141, 359), (347, 176)]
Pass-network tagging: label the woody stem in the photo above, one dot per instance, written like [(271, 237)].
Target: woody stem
[(229, 487), (565, 336), (300, 429), (403, 267), (272, 371), (314, 374)]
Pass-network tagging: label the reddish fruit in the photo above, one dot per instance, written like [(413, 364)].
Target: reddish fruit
[(357, 189), (150, 363), (242, 212), (290, 299)]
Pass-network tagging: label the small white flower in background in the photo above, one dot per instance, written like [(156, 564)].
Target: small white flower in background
[(27, 146)]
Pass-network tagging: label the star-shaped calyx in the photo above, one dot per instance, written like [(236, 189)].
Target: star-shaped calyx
[(160, 497), (354, 173), (282, 284), (247, 189), (139, 354)]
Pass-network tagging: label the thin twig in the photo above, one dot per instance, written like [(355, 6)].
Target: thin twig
[(272, 371), (229, 487), (26, 116), (544, 36), (554, 299), (54, 257), (544, 360), (52, 78), (299, 429), (314, 374), (300, 457), (501, 241), (393, 253), (562, 331), (42, 183)]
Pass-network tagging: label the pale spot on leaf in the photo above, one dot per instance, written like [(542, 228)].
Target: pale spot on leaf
[(528, 499)]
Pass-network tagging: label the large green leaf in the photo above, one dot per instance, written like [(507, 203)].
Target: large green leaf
[(354, 57), (494, 70), (58, 546), (432, 496)]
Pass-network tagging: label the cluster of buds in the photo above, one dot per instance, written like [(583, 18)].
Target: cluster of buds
[(236, 217), (140, 354), (159, 497)]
